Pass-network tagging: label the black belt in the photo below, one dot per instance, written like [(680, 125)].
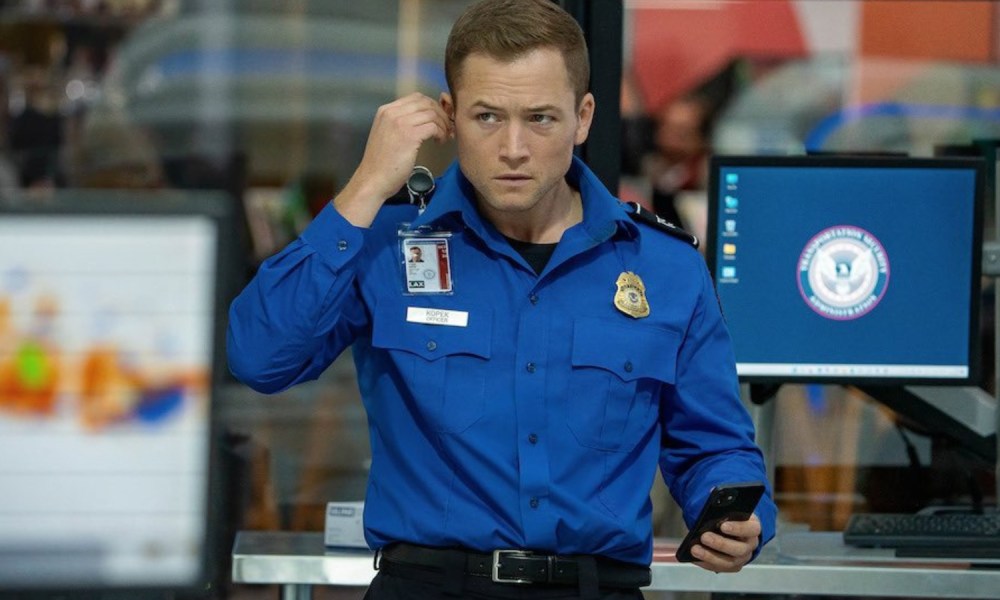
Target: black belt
[(521, 566)]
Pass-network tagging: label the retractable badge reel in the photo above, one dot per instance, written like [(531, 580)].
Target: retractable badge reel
[(420, 185)]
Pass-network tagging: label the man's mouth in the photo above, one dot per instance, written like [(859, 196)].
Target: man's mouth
[(513, 178)]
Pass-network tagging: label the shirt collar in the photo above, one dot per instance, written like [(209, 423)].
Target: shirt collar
[(455, 198), (603, 214)]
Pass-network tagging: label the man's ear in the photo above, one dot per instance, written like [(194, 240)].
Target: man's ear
[(448, 105), (584, 116)]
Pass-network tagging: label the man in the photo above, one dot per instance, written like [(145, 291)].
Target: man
[(522, 398), (416, 254)]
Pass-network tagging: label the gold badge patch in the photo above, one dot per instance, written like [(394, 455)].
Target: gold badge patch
[(631, 296)]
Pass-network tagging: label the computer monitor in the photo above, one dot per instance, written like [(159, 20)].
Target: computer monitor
[(110, 326), (848, 270)]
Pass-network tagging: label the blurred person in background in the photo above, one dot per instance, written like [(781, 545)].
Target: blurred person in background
[(36, 133), (679, 162)]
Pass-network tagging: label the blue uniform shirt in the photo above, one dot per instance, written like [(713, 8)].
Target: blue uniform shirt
[(540, 423)]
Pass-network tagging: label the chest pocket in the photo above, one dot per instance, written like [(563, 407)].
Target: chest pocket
[(618, 371), (443, 367)]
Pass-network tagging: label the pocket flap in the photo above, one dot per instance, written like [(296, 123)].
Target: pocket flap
[(630, 351), (391, 331)]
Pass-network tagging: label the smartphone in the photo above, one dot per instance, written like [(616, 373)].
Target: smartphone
[(730, 502)]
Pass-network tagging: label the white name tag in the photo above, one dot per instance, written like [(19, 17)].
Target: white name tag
[(436, 316)]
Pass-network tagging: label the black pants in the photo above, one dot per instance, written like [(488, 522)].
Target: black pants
[(403, 582)]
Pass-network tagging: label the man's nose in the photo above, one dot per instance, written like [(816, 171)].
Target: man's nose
[(514, 143)]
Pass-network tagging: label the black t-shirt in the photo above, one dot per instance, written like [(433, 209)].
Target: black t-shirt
[(536, 255)]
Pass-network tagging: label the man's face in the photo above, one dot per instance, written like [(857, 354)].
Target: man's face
[(516, 124)]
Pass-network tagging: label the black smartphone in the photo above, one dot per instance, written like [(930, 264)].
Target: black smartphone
[(730, 502)]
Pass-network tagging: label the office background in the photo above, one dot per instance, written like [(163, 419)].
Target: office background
[(270, 104)]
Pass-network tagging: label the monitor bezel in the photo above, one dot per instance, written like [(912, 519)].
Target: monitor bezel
[(976, 165), (218, 207)]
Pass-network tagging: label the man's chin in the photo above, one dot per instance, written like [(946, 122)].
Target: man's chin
[(508, 204)]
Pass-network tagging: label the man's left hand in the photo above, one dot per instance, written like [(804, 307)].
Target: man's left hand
[(728, 552)]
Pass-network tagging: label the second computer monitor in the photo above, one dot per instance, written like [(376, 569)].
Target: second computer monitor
[(853, 270)]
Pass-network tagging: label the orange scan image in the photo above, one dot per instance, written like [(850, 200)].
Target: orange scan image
[(30, 364)]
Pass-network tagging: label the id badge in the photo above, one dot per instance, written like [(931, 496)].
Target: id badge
[(426, 261)]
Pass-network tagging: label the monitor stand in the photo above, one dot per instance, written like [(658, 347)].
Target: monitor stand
[(967, 415)]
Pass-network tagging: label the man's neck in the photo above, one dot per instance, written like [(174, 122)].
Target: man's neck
[(543, 224)]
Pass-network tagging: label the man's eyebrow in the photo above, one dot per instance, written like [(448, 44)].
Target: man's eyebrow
[(485, 104), (544, 108), (531, 109)]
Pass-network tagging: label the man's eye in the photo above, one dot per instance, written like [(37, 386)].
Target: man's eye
[(542, 119), (487, 117)]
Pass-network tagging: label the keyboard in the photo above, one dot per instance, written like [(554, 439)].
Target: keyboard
[(956, 530)]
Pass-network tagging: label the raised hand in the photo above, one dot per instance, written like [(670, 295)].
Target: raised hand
[(397, 133)]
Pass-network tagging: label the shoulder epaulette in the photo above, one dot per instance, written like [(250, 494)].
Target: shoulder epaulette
[(638, 213)]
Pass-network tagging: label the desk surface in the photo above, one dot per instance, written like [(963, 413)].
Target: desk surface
[(798, 563)]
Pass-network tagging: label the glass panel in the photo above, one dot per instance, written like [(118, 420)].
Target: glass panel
[(268, 101)]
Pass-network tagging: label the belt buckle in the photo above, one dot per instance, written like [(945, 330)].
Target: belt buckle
[(498, 555)]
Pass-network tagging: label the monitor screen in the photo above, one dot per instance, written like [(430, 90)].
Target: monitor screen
[(856, 270), (108, 328)]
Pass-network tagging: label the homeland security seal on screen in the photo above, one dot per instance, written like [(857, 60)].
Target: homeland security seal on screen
[(843, 272)]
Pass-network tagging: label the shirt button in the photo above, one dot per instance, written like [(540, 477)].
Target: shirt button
[(530, 367), (533, 299), (533, 438), (534, 503), (628, 366), (342, 245), (432, 345)]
